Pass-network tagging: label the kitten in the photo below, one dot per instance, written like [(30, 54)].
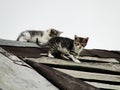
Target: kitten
[(42, 36), (68, 47)]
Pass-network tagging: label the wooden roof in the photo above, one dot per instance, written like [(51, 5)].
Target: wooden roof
[(100, 69)]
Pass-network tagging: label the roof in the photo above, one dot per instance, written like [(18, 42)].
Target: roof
[(16, 77), (99, 68)]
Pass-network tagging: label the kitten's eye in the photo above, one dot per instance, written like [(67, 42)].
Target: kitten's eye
[(83, 44), (77, 44)]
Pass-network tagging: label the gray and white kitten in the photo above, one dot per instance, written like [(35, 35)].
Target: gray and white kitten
[(42, 36), (67, 47)]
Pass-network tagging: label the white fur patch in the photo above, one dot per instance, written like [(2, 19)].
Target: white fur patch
[(63, 50), (45, 37), (41, 39), (80, 50), (50, 55), (25, 36), (22, 38)]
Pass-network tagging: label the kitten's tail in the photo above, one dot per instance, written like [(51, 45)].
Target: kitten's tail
[(43, 46), (18, 39)]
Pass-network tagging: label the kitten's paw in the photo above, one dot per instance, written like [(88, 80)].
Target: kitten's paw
[(64, 57), (74, 59), (77, 61), (77, 57), (49, 55)]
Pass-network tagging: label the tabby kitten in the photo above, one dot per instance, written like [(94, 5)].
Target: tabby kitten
[(67, 47), (42, 36)]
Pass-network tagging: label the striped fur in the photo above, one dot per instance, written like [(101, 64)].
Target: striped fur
[(67, 47)]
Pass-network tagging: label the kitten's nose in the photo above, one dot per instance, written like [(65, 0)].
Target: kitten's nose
[(80, 46)]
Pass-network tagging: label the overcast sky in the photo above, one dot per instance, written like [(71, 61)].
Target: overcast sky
[(97, 19)]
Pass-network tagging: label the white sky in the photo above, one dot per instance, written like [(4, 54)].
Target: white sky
[(97, 19)]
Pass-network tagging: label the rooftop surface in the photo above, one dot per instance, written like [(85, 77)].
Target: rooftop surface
[(24, 67)]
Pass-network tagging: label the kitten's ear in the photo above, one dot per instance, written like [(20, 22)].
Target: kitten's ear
[(55, 32), (60, 32), (75, 37), (52, 30), (85, 40), (49, 30)]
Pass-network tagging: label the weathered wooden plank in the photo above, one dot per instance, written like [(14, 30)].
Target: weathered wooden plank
[(103, 81), (93, 76), (102, 53), (25, 51), (17, 76), (97, 59), (105, 86), (16, 43), (97, 67), (59, 79), (98, 77)]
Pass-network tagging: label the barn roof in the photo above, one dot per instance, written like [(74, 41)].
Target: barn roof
[(100, 69)]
